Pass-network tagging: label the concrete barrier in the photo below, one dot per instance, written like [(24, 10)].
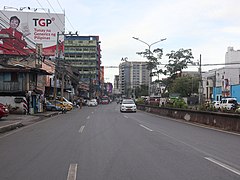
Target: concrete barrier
[(225, 121)]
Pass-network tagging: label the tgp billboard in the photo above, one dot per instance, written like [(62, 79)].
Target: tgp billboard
[(20, 32)]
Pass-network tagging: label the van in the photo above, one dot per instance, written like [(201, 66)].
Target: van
[(228, 103), (15, 104)]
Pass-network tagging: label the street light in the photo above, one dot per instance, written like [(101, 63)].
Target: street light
[(149, 51)]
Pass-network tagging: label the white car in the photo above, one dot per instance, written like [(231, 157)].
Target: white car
[(92, 102), (128, 105)]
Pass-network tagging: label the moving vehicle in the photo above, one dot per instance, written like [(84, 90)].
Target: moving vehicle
[(4, 112), (105, 100), (92, 102), (128, 105)]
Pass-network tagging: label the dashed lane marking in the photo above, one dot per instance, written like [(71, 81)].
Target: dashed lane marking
[(81, 129), (72, 172), (146, 127)]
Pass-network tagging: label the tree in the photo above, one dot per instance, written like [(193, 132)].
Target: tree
[(141, 91), (185, 86), (153, 58), (178, 61)]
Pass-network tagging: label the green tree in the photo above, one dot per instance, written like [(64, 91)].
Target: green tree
[(153, 59), (184, 85), (178, 61), (141, 91)]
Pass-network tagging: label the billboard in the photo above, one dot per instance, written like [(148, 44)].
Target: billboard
[(20, 32)]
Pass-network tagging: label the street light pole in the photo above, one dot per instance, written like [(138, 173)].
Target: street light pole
[(149, 53)]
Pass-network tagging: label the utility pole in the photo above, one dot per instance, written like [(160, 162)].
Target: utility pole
[(200, 82), (56, 67)]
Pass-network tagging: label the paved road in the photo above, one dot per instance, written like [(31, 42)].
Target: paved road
[(100, 143)]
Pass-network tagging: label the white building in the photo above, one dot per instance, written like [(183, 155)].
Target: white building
[(223, 77), (131, 75)]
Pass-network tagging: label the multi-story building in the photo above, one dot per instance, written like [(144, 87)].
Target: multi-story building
[(116, 89), (131, 75), (84, 54)]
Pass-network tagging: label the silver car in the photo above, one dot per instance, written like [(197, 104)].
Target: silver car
[(128, 105)]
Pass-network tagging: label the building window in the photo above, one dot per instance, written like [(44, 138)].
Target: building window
[(10, 77)]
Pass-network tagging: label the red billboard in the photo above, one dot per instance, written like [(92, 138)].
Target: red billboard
[(20, 32)]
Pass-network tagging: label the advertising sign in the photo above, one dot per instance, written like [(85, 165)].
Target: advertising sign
[(20, 32)]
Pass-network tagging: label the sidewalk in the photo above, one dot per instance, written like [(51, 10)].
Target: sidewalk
[(14, 121)]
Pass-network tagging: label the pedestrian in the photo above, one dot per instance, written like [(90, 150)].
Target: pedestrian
[(81, 102)]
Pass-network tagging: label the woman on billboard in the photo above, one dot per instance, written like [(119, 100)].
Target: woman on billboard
[(13, 42)]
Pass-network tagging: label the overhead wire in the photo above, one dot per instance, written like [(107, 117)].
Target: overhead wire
[(56, 13), (60, 30), (66, 16)]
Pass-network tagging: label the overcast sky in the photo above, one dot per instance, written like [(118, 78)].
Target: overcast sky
[(207, 27)]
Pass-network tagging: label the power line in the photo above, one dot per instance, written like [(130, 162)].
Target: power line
[(65, 15), (217, 64), (55, 12), (48, 15)]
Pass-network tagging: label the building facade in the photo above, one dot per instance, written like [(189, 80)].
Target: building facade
[(222, 82), (84, 54), (131, 75)]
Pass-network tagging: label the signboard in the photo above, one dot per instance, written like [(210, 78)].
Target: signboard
[(21, 31)]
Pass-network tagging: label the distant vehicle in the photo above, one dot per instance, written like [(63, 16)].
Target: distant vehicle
[(4, 112), (63, 105), (228, 103), (128, 105), (105, 100), (52, 107), (64, 100), (92, 102)]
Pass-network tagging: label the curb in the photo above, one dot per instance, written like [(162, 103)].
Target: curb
[(10, 127), (22, 123)]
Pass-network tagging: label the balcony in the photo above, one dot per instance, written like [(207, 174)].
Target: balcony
[(11, 87)]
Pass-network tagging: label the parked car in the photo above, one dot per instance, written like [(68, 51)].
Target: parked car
[(4, 112), (52, 107), (63, 105), (128, 105), (92, 102), (228, 103), (64, 100)]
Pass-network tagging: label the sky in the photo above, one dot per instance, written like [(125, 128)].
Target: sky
[(207, 27)]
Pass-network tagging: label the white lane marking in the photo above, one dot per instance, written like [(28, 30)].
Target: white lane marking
[(92, 112), (126, 117), (88, 117), (72, 172), (146, 127), (223, 165), (81, 129)]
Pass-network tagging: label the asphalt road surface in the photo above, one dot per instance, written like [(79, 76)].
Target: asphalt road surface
[(100, 143)]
